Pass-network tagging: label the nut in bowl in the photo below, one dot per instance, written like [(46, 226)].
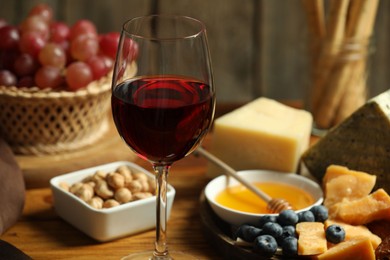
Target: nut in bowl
[(236, 205), (106, 213)]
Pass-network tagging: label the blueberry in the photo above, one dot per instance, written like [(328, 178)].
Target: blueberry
[(290, 246), (320, 213), (306, 216), (288, 231), (248, 233), (265, 219), (266, 245), (335, 234), (272, 229), (288, 217)]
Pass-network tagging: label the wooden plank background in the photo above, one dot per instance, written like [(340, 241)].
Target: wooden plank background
[(257, 46)]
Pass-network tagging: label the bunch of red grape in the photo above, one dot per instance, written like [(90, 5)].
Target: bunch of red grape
[(50, 54)]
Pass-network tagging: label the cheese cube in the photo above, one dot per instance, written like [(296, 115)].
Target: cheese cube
[(263, 134), (311, 238)]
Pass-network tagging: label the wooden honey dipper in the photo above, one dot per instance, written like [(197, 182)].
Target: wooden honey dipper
[(274, 205)]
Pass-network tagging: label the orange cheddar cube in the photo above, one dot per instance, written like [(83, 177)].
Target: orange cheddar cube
[(311, 238)]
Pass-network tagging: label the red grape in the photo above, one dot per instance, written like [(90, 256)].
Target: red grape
[(82, 27), (35, 24), (3, 22), (59, 32), (49, 77), (7, 78), (78, 75), (31, 43), (52, 55), (109, 44), (43, 10), (9, 36), (83, 47), (27, 81), (40, 50), (98, 66), (25, 65), (7, 59)]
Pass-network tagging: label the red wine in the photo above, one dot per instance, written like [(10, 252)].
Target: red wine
[(162, 118)]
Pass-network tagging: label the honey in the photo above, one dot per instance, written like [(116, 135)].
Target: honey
[(240, 198)]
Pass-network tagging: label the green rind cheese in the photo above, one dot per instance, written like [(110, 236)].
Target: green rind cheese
[(361, 142)]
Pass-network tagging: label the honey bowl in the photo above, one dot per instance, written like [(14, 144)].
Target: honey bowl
[(236, 205)]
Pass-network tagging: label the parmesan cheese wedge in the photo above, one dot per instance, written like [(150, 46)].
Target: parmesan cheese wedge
[(263, 134)]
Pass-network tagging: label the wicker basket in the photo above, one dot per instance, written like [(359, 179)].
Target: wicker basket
[(39, 122)]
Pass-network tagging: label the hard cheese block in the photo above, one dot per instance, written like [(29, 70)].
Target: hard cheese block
[(263, 134), (361, 143)]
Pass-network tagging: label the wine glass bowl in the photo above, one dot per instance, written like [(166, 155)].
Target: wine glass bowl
[(164, 109), (167, 117)]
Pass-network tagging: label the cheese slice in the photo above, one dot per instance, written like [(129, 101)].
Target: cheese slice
[(360, 142), (356, 249), (263, 134)]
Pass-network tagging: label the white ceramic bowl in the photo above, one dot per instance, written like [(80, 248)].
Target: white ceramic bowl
[(106, 224), (236, 217)]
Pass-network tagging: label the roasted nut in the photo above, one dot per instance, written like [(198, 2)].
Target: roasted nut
[(96, 202), (110, 203), (142, 195), (123, 169), (75, 187), (98, 176), (115, 180), (106, 190), (64, 186), (145, 185), (91, 183), (103, 190), (135, 186), (126, 173), (123, 195), (87, 179), (85, 192), (140, 176)]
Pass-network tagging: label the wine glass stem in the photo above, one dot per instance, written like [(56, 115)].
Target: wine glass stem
[(161, 246)]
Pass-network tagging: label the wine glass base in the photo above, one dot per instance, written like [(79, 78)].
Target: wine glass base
[(175, 255)]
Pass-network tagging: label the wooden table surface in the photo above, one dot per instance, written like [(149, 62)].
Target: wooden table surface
[(42, 234)]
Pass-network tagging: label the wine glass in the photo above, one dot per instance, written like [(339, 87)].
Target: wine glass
[(163, 100)]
